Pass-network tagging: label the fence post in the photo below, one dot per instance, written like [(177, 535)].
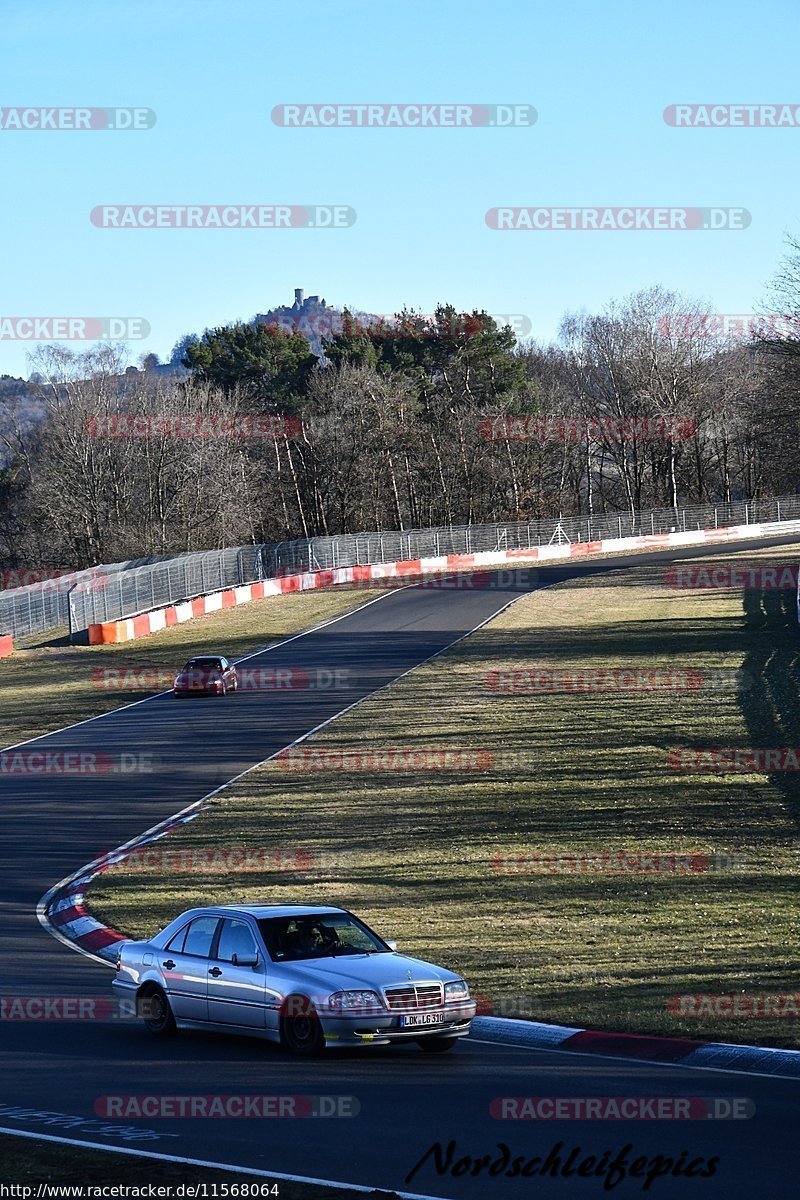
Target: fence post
[(746, 517), (70, 614), (778, 503), (619, 522)]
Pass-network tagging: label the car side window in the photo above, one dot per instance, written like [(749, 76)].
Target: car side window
[(236, 938), (176, 942), (223, 662), (200, 935)]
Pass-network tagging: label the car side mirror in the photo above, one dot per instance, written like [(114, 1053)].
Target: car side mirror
[(391, 943), (245, 960)]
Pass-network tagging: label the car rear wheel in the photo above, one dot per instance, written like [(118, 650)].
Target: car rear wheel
[(301, 1031), (436, 1045), (154, 1007)]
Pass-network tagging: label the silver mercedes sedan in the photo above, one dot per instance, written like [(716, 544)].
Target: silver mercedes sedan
[(308, 977)]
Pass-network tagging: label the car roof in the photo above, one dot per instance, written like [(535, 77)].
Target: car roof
[(260, 911)]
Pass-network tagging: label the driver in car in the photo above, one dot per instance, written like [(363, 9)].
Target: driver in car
[(311, 938)]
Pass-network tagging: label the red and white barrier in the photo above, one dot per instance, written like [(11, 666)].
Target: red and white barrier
[(63, 910), (142, 625)]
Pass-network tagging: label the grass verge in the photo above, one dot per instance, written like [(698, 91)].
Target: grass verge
[(442, 854)]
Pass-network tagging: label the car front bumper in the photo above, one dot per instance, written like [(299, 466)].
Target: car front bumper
[(198, 691), (383, 1029)]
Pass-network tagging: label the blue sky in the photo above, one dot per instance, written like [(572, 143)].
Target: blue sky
[(599, 76)]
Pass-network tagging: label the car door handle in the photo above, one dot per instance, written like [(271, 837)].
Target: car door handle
[(214, 971), (169, 964)]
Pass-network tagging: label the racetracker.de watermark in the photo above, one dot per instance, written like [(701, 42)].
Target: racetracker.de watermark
[(68, 1008), (53, 579), (386, 759), (731, 760), (621, 1108), (86, 763), (149, 678), (232, 860), (733, 116), (461, 581), (328, 323), (769, 326), (73, 329), (223, 216), (264, 1107), (225, 426), (508, 428), (781, 577), (676, 219), (534, 680), (758, 1005), (75, 119), (404, 116), (613, 862)]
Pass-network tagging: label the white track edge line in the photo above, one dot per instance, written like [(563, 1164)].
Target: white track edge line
[(202, 1162), (644, 1062)]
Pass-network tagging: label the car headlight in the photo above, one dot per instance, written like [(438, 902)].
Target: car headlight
[(355, 1001), (456, 991)]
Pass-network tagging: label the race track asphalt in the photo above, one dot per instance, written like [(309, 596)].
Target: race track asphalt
[(407, 1101)]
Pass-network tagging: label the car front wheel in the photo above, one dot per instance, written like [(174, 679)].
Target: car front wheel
[(301, 1031)]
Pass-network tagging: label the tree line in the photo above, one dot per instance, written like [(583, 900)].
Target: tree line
[(425, 421)]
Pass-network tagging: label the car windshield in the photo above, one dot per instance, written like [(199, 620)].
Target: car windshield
[(203, 664), (321, 935)]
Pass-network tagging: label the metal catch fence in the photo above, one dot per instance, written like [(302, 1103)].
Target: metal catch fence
[(108, 592)]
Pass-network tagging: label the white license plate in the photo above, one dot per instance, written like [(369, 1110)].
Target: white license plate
[(418, 1019)]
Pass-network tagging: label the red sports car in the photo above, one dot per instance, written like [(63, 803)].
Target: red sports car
[(210, 675)]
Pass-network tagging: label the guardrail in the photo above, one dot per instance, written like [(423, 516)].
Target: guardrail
[(383, 574), (120, 590)]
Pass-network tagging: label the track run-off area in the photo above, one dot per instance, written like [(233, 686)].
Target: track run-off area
[(406, 1101)]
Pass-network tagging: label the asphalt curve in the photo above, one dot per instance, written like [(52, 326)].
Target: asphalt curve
[(406, 1101)]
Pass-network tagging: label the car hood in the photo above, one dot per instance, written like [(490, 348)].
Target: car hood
[(364, 971), (196, 675)]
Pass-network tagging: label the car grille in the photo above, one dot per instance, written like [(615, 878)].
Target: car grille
[(415, 997)]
